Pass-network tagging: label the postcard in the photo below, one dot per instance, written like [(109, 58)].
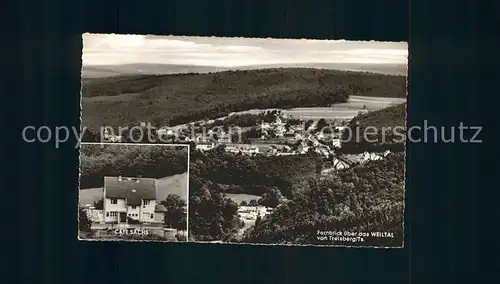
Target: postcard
[(261, 141)]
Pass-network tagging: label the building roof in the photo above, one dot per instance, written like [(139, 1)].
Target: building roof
[(351, 159), (131, 189)]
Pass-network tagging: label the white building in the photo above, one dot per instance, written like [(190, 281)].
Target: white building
[(251, 150), (337, 143), (340, 129), (320, 136), (224, 138), (323, 150), (251, 212), (371, 157), (109, 137), (340, 164), (243, 149), (129, 199), (303, 148), (205, 146), (165, 132), (265, 126)]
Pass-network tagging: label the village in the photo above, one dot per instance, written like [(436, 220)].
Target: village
[(276, 138)]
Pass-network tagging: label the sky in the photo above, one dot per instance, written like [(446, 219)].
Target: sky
[(113, 49)]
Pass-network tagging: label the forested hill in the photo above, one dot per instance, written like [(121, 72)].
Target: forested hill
[(180, 98), (368, 198), (390, 123)]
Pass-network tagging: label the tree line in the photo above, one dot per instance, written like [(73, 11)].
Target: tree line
[(120, 160), (255, 175)]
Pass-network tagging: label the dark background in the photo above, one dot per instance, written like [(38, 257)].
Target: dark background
[(42, 50)]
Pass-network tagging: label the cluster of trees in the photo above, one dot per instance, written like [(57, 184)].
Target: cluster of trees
[(91, 136), (117, 85), (248, 119), (173, 99), (387, 131), (176, 215), (211, 215), (367, 198), (222, 103), (367, 84), (272, 198), (97, 161), (84, 224), (255, 175), (213, 173)]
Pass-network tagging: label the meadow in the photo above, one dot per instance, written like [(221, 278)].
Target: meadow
[(239, 197), (346, 110)]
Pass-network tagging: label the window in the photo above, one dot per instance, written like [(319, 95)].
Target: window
[(152, 216), (114, 201), (112, 214), (107, 214), (147, 202), (133, 206)]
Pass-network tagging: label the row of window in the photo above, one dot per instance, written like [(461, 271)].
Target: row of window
[(145, 202), (144, 215)]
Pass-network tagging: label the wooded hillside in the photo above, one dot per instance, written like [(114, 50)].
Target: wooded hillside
[(180, 98)]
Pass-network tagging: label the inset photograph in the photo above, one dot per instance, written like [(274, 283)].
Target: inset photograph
[(133, 192)]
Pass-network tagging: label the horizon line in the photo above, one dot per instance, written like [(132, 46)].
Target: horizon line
[(266, 64)]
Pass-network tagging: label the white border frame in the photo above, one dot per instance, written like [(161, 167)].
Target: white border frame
[(135, 144)]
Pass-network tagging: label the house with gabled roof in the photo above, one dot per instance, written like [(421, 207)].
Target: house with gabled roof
[(340, 163), (129, 198)]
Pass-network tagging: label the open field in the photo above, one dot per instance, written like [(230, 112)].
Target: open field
[(90, 195), (176, 184), (339, 111), (237, 197)]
